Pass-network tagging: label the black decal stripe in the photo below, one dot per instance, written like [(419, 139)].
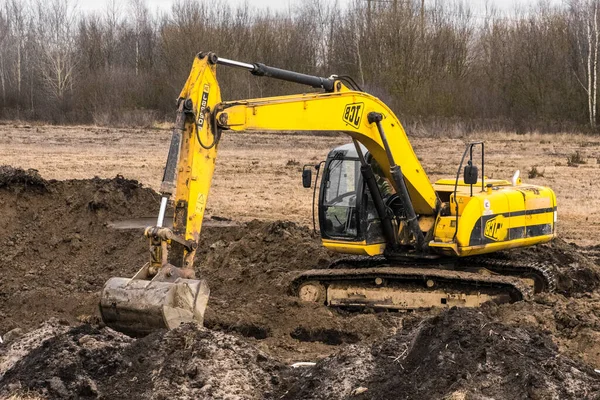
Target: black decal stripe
[(478, 238), (532, 212), (476, 234), (518, 232), (523, 212), (538, 230)]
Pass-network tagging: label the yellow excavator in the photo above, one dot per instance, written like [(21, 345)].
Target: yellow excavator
[(411, 244)]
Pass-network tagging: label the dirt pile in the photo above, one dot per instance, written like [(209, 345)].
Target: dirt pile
[(249, 269), (577, 268), (56, 248), (89, 362), (460, 354), (61, 249), (572, 322)]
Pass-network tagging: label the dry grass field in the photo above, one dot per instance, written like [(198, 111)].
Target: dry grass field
[(258, 175)]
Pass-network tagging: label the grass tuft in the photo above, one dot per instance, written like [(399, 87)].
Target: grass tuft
[(575, 159), (534, 172)]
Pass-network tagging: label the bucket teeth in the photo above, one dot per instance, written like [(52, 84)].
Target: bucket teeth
[(137, 307)]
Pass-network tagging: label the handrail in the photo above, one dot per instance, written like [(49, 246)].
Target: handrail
[(469, 148)]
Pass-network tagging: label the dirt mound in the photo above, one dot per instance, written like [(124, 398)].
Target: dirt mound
[(249, 269), (460, 354), (186, 363), (573, 323), (58, 248), (20, 180), (61, 250), (55, 247)]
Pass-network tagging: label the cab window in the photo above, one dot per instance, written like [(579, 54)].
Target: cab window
[(339, 200)]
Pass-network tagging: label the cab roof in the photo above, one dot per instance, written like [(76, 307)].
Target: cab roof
[(347, 151)]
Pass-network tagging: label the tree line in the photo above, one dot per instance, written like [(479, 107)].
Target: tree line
[(433, 62)]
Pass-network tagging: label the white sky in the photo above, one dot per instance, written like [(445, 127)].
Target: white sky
[(164, 5)]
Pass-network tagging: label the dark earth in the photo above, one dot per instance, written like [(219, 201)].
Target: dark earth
[(58, 247)]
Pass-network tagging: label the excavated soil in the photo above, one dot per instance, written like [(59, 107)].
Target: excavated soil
[(190, 362), (461, 353), (58, 247)]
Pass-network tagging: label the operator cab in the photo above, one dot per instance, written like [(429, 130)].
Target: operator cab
[(346, 209)]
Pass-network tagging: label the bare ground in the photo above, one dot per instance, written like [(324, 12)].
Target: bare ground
[(58, 248)]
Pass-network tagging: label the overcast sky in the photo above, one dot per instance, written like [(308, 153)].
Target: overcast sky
[(477, 5)]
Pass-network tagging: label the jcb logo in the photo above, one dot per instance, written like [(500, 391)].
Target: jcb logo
[(203, 104), (353, 113), (495, 229)]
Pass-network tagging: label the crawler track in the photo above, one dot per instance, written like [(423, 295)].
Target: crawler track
[(406, 284)]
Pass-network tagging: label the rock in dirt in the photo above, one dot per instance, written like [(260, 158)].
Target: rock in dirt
[(12, 335)]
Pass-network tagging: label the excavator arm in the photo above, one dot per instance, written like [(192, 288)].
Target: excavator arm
[(164, 292), (191, 160), (343, 111)]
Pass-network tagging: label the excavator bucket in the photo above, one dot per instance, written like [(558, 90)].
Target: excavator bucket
[(139, 306)]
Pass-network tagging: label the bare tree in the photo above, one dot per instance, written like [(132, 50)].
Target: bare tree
[(140, 13), (592, 64), (4, 36), (112, 24), (584, 26), (17, 14), (56, 22)]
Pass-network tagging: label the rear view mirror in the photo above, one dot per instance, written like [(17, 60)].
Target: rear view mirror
[(471, 172), (306, 177)]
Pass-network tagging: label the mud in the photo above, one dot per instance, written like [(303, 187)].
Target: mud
[(58, 247)]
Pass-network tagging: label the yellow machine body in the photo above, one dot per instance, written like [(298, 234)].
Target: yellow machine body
[(502, 217), (498, 218)]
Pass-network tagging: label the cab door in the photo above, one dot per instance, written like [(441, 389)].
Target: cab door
[(338, 211)]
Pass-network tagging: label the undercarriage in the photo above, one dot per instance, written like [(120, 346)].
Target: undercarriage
[(380, 283)]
